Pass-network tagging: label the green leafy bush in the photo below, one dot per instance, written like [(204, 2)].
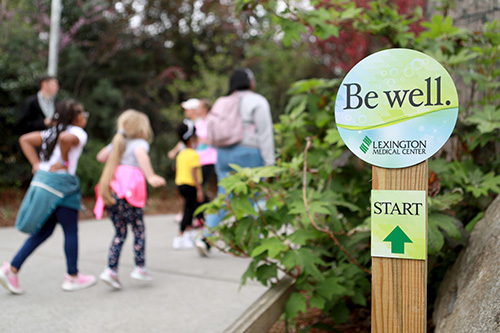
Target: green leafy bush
[(312, 220), (89, 169)]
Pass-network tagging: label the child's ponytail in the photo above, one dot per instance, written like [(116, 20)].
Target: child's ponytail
[(109, 168)]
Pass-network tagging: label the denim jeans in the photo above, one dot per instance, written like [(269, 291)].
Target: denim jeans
[(68, 218), (245, 157)]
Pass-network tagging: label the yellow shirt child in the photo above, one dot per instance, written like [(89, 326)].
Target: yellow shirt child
[(186, 160)]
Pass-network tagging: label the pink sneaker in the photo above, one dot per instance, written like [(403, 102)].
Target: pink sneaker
[(141, 273), (81, 281), (111, 278), (9, 279)]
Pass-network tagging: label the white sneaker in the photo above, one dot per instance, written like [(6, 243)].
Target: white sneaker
[(203, 247), (193, 234), (141, 273), (111, 278), (183, 242)]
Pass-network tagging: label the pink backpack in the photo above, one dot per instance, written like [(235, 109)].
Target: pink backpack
[(224, 124)]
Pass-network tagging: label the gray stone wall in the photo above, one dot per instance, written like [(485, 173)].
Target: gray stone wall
[(469, 296), (471, 14)]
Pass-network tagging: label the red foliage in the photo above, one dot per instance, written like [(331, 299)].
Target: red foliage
[(340, 54)]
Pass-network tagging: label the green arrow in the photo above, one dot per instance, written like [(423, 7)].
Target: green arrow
[(398, 238)]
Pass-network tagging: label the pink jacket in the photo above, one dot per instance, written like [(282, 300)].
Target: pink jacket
[(128, 183)]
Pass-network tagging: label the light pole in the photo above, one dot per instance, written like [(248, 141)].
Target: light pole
[(55, 18)]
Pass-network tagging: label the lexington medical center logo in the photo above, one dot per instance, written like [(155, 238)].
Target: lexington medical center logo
[(405, 147)]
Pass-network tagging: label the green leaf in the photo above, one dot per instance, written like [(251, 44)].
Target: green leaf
[(296, 207), (249, 273), (317, 302), (484, 185), (320, 20), (292, 30), (359, 299), (462, 56), (274, 203), (242, 206), (330, 287), (487, 119), (322, 119), (444, 201), (470, 226), (309, 261), (435, 238), (351, 12), (446, 223), (273, 246), (439, 27), (308, 86), (333, 137), (266, 272), (241, 229), (302, 236), (341, 313), (290, 260), (320, 207), (234, 184), (295, 304)]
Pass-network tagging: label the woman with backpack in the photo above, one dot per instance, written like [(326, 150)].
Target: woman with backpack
[(246, 115)]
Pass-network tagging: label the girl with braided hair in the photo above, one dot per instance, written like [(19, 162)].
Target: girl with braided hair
[(122, 191), (54, 194)]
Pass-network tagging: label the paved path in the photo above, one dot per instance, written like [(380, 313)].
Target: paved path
[(188, 294)]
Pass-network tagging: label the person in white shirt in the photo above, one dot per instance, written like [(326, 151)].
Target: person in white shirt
[(54, 194)]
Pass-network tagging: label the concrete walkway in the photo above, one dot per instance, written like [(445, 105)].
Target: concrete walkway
[(188, 294)]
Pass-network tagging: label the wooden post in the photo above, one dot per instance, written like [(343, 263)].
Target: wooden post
[(399, 286)]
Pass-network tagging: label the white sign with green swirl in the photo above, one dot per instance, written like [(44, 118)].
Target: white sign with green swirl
[(396, 108)]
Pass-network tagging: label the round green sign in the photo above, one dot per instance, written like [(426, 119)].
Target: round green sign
[(396, 108)]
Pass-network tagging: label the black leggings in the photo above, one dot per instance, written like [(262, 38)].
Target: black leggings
[(122, 214), (207, 171), (188, 192)]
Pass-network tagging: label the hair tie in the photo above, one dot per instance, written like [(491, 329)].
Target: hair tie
[(190, 129), (122, 132)]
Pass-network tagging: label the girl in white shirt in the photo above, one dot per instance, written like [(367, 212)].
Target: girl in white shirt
[(54, 194)]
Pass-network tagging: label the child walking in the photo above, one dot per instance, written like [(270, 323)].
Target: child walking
[(54, 194), (122, 190), (188, 178), (190, 112), (208, 154)]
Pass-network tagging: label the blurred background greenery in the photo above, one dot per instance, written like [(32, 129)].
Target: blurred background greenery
[(146, 55)]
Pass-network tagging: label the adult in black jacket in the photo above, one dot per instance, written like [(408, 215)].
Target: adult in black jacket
[(38, 110)]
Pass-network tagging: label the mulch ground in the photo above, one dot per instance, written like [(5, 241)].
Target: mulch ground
[(160, 201)]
